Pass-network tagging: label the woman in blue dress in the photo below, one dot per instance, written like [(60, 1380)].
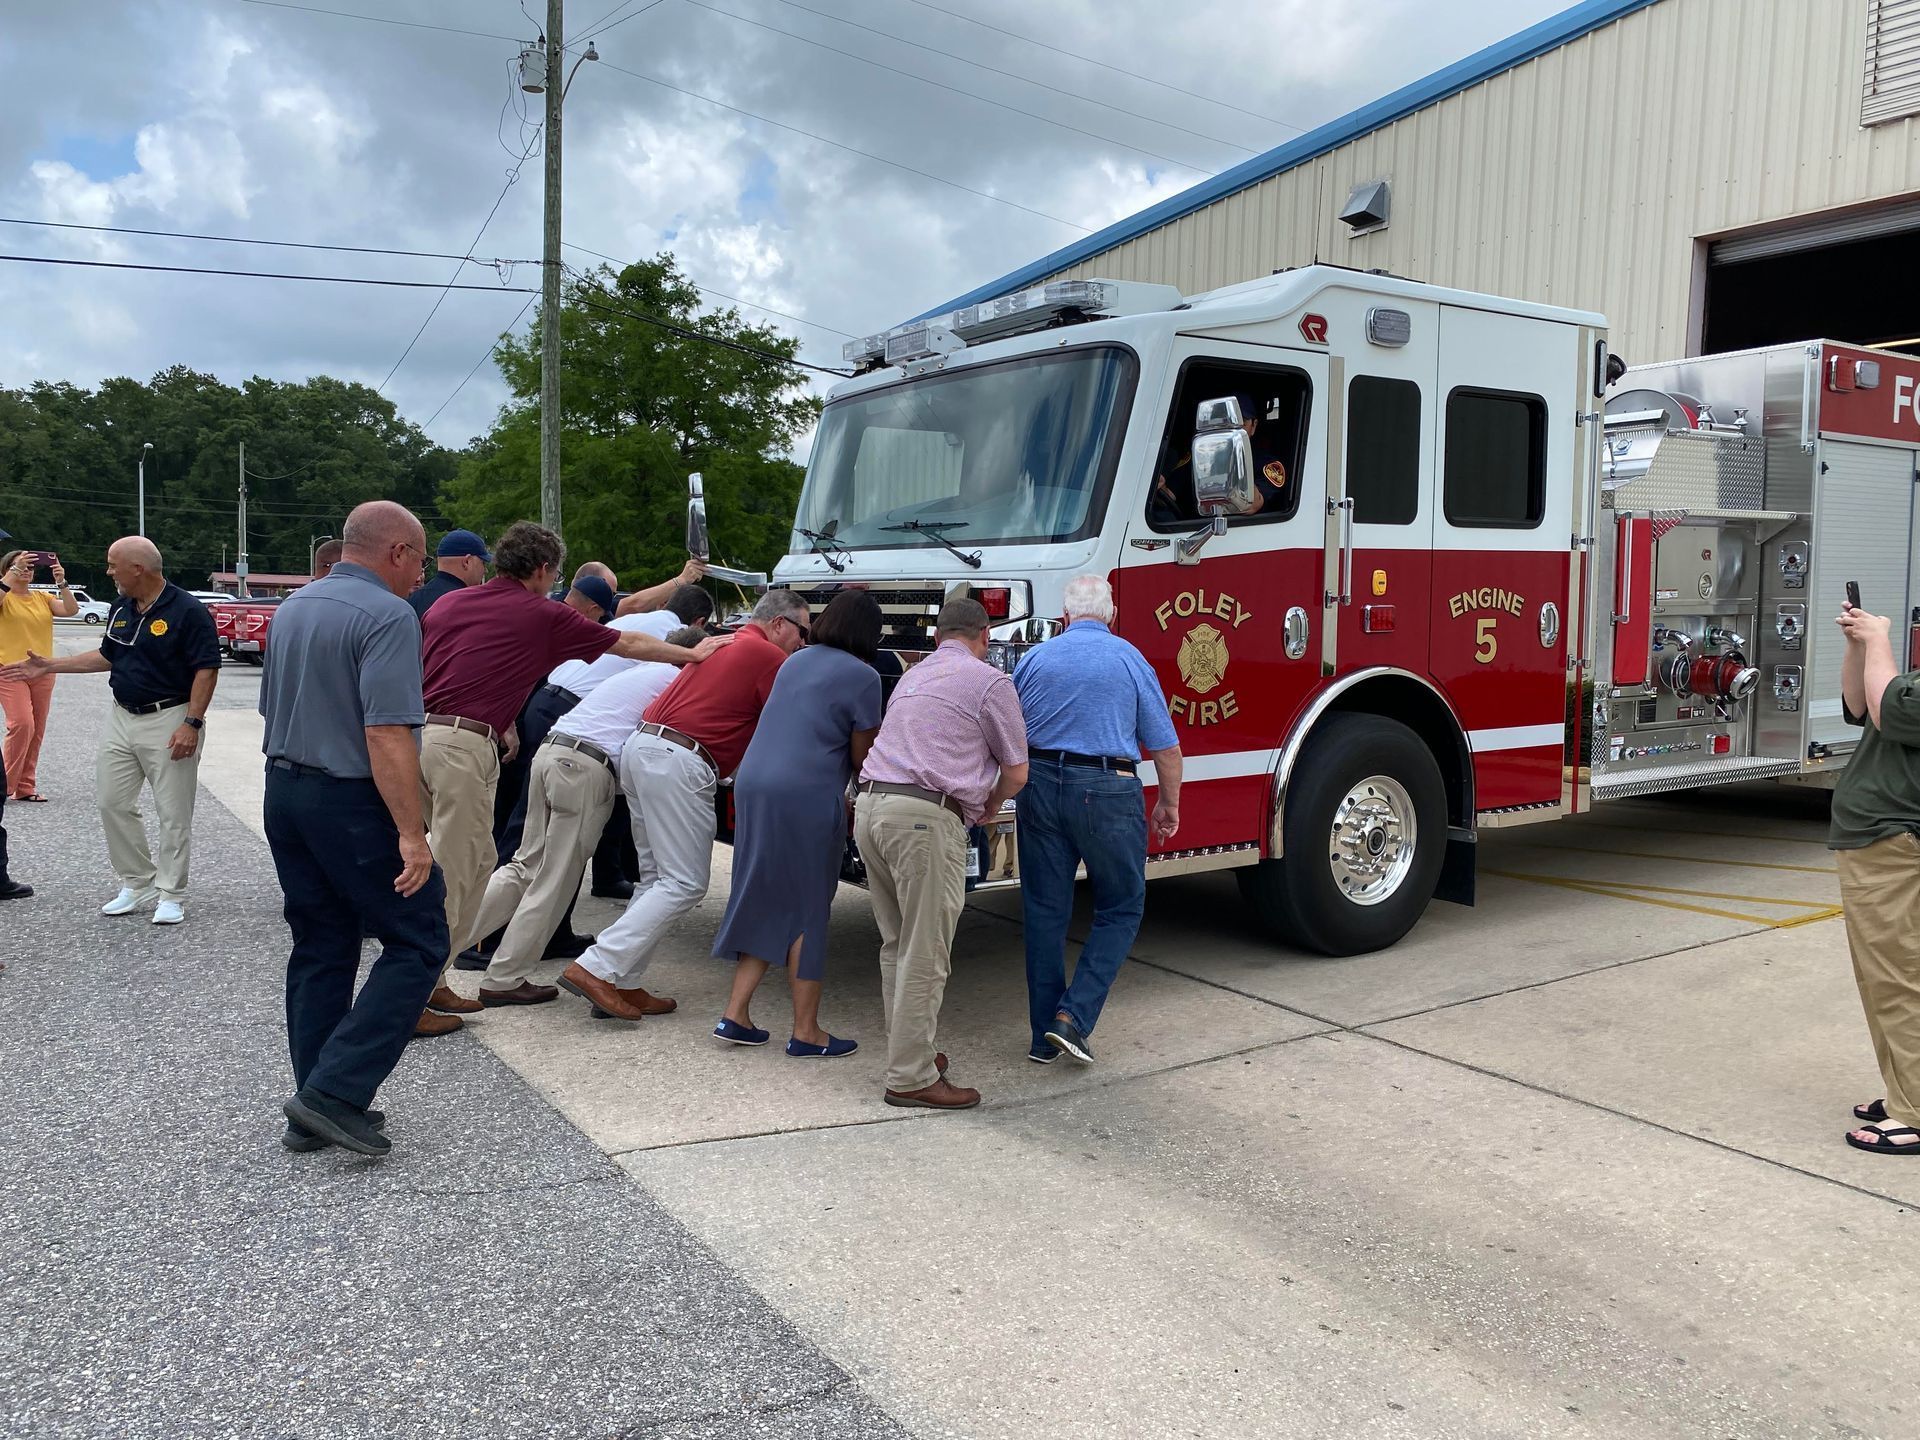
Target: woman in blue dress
[(790, 821)]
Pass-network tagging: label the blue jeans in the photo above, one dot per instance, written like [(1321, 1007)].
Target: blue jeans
[(1069, 814), (337, 854)]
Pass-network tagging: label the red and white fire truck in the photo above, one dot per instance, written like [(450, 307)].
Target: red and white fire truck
[(1408, 565)]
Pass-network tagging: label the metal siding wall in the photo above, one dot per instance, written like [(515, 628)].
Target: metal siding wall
[(1583, 177)]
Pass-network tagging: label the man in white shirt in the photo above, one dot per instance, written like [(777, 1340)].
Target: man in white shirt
[(570, 791)]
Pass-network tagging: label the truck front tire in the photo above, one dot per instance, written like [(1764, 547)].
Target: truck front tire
[(1365, 835)]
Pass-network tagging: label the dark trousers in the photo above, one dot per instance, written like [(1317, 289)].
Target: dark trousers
[(337, 854), (1070, 814), (615, 858), (4, 875)]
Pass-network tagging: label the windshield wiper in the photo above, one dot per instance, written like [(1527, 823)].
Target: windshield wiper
[(817, 539), (932, 530)]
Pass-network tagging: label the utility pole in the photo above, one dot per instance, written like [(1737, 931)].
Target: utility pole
[(550, 284), (240, 555), (141, 528)]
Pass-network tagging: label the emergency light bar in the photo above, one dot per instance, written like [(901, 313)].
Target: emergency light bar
[(1009, 315)]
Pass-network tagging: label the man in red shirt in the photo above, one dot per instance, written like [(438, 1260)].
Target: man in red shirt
[(483, 649), (692, 737)]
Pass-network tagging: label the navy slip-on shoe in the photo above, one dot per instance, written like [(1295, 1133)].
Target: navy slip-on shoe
[(301, 1140), (832, 1050), (329, 1119), (1065, 1037), (1043, 1054), (735, 1033)]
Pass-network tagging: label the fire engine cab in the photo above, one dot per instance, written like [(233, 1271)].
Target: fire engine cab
[(1411, 563)]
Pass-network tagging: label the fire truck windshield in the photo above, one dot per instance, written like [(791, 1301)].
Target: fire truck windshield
[(1017, 452)]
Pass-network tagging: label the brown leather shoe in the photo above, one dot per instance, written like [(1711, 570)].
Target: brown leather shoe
[(448, 1003), (430, 1024), (591, 988), (937, 1096), (525, 993), (648, 1004), (940, 1063)]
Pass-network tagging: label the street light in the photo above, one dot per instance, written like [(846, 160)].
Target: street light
[(143, 486)]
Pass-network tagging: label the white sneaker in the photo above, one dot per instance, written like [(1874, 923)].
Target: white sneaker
[(130, 900), (169, 912)]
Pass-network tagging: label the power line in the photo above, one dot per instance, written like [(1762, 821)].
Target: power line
[(512, 176), (733, 299), (382, 20), (289, 474), (491, 351), (1130, 74), (245, 240), (851, 149), (592, 33), (266, 274), (953, 89), (587, 281), (1015, 75)]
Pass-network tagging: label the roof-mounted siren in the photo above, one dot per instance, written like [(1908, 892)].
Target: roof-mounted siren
[(1061, 302), (1369, 206)]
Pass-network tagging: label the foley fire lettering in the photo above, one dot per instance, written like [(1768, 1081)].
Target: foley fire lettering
[(1203, 656)]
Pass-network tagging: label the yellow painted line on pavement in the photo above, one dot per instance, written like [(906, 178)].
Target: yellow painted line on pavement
[(1622, 890), (1696, 859)]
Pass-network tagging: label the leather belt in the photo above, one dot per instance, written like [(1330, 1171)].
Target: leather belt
[(585, 747), (154, 709), (562, 691), (295, 767), (932, 797), (1090, 762), (461, 722), (685, 742)]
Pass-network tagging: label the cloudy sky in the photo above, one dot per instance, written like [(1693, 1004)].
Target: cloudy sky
[(710, 127)]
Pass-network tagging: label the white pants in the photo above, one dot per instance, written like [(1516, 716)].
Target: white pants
[(670, 791), (569, 796), (136, 753)]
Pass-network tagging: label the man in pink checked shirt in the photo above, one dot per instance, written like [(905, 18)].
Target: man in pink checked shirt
[(951, 751)]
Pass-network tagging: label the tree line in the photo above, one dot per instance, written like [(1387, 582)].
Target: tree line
[(643, 406)]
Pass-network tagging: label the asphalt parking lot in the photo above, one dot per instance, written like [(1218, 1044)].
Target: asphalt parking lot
[(1568, 1162)]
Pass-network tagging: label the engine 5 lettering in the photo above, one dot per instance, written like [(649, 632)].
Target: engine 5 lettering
[(1487, 597)]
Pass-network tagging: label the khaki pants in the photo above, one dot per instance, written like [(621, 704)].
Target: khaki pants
[(569, 797), (916, 854), (1880, 888), (459, 771), (136, 753)]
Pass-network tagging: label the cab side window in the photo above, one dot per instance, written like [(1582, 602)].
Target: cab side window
[(1383, 450), (1496, 459), (1276, 399)]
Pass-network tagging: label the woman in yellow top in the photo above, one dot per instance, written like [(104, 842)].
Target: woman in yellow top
[(26, 624)]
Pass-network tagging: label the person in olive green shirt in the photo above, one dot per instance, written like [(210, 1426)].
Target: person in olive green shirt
[(1876, 834)]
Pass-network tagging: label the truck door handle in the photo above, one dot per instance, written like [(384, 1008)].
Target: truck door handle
[(1344, 506)]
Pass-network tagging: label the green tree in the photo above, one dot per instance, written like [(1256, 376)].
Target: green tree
[(643, 407)]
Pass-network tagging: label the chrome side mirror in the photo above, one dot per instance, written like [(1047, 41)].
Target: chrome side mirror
[(696, 517), (1222, 460)]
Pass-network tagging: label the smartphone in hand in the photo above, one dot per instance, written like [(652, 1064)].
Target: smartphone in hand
[(1853, 594)]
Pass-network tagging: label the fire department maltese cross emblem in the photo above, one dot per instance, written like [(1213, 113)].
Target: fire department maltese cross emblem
[(1203, 659)]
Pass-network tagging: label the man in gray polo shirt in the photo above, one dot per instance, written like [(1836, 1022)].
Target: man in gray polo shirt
[(341, 697)]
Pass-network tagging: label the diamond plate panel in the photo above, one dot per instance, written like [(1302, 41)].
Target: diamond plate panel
[(1659, 779), (1698, 470)]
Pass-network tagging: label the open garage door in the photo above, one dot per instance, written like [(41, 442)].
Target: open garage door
[(1847, 278)]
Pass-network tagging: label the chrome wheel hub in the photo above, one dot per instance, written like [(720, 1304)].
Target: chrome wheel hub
[(1372, 844)]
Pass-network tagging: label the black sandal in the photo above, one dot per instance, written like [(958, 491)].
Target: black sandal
[(1871, 1111), (1885, 1145)]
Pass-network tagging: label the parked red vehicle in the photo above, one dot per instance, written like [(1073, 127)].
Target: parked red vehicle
[(242, 626)]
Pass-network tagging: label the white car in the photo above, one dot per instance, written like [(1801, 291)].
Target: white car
[(209, 596), (92, 611)]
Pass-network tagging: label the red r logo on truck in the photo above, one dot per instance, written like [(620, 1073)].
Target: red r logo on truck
[(1313, 329)]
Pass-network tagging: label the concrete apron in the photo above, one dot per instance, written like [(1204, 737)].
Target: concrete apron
[(1569, 1162)]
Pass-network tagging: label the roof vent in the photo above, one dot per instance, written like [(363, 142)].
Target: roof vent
[(1368, 207)]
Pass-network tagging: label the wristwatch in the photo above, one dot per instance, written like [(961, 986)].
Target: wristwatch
[(196, 724)]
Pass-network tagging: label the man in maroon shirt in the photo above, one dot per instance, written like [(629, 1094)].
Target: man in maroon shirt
[(693, 737), (483, 650)]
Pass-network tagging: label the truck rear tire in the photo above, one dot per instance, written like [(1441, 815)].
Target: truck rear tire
[(1365, 835)]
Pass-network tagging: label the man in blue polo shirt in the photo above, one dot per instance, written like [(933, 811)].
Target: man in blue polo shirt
[(462, 559), (1092, 705), (164, 654)]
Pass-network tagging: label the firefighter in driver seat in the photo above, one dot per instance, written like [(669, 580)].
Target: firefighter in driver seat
[(1173, 503)]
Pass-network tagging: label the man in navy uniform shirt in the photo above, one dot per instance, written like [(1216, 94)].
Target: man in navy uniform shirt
[(463, 558), (162, 651)]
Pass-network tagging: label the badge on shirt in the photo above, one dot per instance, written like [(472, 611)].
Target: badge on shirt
[(158, 627)]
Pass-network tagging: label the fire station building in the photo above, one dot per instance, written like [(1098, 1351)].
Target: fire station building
[(1711, 175)]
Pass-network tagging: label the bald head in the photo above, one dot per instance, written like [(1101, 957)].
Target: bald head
[(378, 526), (594, 567), (134, 563)]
